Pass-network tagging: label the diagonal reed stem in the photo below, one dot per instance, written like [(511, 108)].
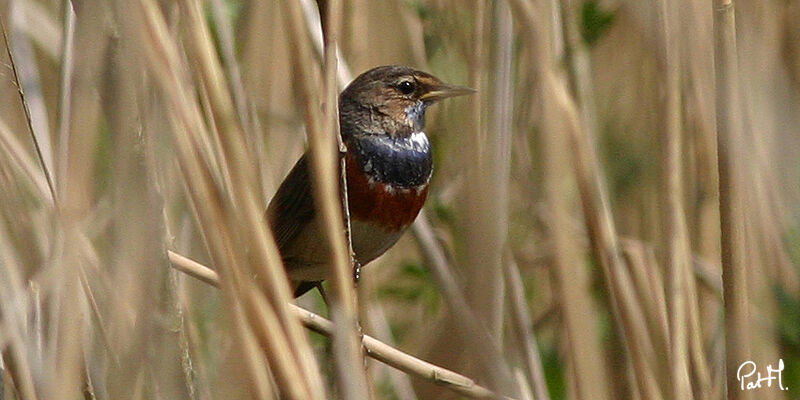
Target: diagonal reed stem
[(374, 348), (28, 120)]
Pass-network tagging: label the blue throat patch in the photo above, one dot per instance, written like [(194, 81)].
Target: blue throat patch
[(405, 162)]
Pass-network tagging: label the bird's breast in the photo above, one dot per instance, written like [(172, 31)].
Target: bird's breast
[(387, 179)]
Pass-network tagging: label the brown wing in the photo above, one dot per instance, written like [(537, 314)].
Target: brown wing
[(292, 207), (290, 211)]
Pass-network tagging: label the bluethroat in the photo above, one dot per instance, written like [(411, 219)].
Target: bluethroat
[(388, 168)]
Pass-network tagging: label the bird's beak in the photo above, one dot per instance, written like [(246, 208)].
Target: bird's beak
[(444, 91)]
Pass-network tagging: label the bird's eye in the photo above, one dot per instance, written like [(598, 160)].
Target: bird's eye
[(406, 87)]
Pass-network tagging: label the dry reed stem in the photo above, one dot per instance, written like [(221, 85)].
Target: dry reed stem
[(16, 365), (673, 223), (314, 23), (697, 352), (66, 322), (570, 277), (698, 122), (137, 233), (14, 325), (194, 372), (63, 367), (28, 120), (580, 66), (648, 281), (34, 21), (245, 189), (323, 136), (19, 160), (374, 347), (594, 199), (65, 92), (291, 364), (261, 387), (91, 42), (481, 344), (27, 73), (583, 136), (232, 71), (523, 328), (376, 321), (488, 167), (559, 116), (729, 137), (346, 344)]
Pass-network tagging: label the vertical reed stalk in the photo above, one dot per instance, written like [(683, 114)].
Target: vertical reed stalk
[(570, 277), (571, 280), (65, 93), (523, 328), (323, 133), (351, 376), (91, 40), (729, 137), (487, 228), (673, 223)]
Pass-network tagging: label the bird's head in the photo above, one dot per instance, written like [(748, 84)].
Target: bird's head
[(392, 100)]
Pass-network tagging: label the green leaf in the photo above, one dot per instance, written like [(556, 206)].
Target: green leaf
[(595, 21)]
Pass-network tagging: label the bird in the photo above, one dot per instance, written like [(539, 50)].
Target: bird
[(388, 167)]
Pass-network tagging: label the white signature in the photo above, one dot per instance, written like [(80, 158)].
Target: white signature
[(745, 375)]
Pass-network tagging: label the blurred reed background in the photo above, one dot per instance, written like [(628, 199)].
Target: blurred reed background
[(603, 222)]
